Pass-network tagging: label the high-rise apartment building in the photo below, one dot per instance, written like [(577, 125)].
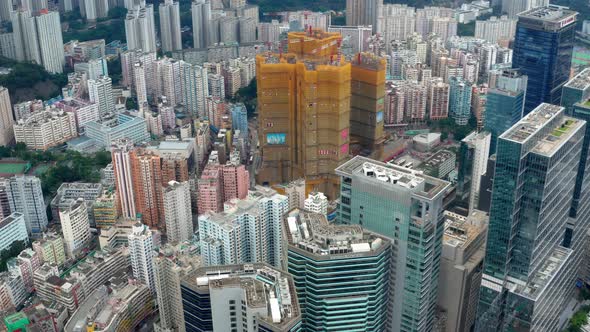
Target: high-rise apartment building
[(308, 137), (505, 103), (367, 98), (248, 231), (50, 249), (169, 12), (13, 228), (83, 111), (26, 263), (473, 159), (334, 289), (396, 22), (140, 74), (528, 276), (460, 100), (195, 88), (438, 99), (146, 173), (140, 30), (46, 129), (178, 217), (50, 40), (495, 29), (407, 207), (210, 187), (514, 7), (6, 118), (121, 155), (100, 91), (75, 226), (201, 14), (168, 79), (363, 12), (26, 197), (105, 209), (234, 298), (141, 247), (39, 39), (543, 51), (26, 41)]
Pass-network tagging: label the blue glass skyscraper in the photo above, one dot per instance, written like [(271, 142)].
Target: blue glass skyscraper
[(505, 103), (460, 100), (543, 49), (239, 117)]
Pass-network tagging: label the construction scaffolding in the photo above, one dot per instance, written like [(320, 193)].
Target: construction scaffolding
[(367, 101), (304, 111)]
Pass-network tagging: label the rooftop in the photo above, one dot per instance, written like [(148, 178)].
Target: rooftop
[(580, 81), (549, 17), (11, 218), (462, 231), (545, 274), (394, 176), (312, 233), (438, 158), (532, 123), (560, 134), (263, 285)]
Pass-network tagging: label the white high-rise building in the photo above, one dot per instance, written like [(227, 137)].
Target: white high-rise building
[(75, 226), (139, 77), (100, 92), (5, 10), (177, 212), (169, 80), (495, 29), (12, 228), (363, 12), (128, 60), (121, 157), (93, 9), (201, 13), (50, 41), (513, 7), (170, 26), (248, 231), (477, 147), (397, 22), (216, 85), (317, 202), (26, 41), (6, 118), (26, 196), (140, 30), (141, 251), (195, 88)]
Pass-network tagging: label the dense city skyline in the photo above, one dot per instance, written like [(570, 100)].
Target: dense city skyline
[(225, 165)]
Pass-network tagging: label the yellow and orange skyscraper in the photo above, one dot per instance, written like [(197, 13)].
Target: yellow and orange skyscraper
[(304, 111)]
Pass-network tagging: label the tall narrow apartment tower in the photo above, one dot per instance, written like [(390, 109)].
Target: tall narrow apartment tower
[(304, 111), (366, 100)]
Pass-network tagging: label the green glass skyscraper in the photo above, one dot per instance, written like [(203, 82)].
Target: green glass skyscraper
[(407, 207), (528, 276), (504, 103), (341, 273)]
